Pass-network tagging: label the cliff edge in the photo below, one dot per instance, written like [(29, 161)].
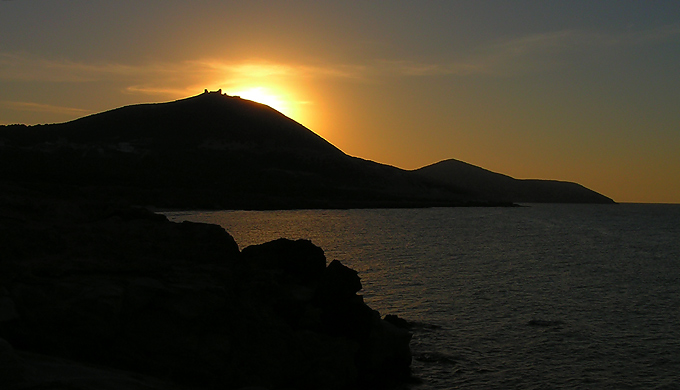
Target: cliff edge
[(94, 296)]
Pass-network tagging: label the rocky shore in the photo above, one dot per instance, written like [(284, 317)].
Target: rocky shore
[(94, 296)]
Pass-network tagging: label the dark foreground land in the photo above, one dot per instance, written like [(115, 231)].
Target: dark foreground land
[(94, 296)]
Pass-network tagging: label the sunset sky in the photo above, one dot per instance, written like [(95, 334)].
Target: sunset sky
[(584, 91)]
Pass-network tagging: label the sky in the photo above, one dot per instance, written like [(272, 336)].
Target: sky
[(582, 91)]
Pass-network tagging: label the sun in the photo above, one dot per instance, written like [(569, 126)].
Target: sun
[(265, 96)]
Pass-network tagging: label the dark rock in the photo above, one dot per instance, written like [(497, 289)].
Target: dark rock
[(128, 290), (136, 213), (398, 322), (344, 312), (339, 283), (7, 310), (386, 353), (300, 259), (11, 370), (54, 373), (216, 245)]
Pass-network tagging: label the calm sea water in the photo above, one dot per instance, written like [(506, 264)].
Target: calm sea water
[(538, 297)]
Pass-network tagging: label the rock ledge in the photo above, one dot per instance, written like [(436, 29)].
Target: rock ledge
[(162, 305)]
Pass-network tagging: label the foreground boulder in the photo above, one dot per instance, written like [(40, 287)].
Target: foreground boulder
[(127, 289), (384, 351)]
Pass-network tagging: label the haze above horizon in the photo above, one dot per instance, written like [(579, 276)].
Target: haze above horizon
[(578, 91)]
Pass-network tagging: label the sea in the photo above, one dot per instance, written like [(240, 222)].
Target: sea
[(543, 296)]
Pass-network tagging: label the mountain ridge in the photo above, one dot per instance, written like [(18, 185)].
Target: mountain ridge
[(213, 151), (501, 187)]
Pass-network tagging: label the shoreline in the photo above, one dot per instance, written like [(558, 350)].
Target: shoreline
[(126, 289)]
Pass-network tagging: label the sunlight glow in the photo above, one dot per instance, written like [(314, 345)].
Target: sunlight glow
[(265, 96)]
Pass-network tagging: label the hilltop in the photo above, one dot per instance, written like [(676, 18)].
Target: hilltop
[(217, 151)]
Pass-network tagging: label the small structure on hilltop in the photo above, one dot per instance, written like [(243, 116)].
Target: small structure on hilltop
[(218, 92)]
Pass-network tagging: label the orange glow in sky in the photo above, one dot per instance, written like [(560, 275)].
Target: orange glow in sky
[(527, 89), (266, 96)]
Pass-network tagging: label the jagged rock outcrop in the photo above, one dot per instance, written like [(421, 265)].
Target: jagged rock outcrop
[(127, 289), (384, 348)]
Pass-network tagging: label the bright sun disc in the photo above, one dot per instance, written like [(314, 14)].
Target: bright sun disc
[(264, 96)]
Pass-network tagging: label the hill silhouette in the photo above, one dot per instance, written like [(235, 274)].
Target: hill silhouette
[(207, 151), (215, 151), (499, 187)]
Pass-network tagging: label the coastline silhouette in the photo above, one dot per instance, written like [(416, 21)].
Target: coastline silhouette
[(218, 151)]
